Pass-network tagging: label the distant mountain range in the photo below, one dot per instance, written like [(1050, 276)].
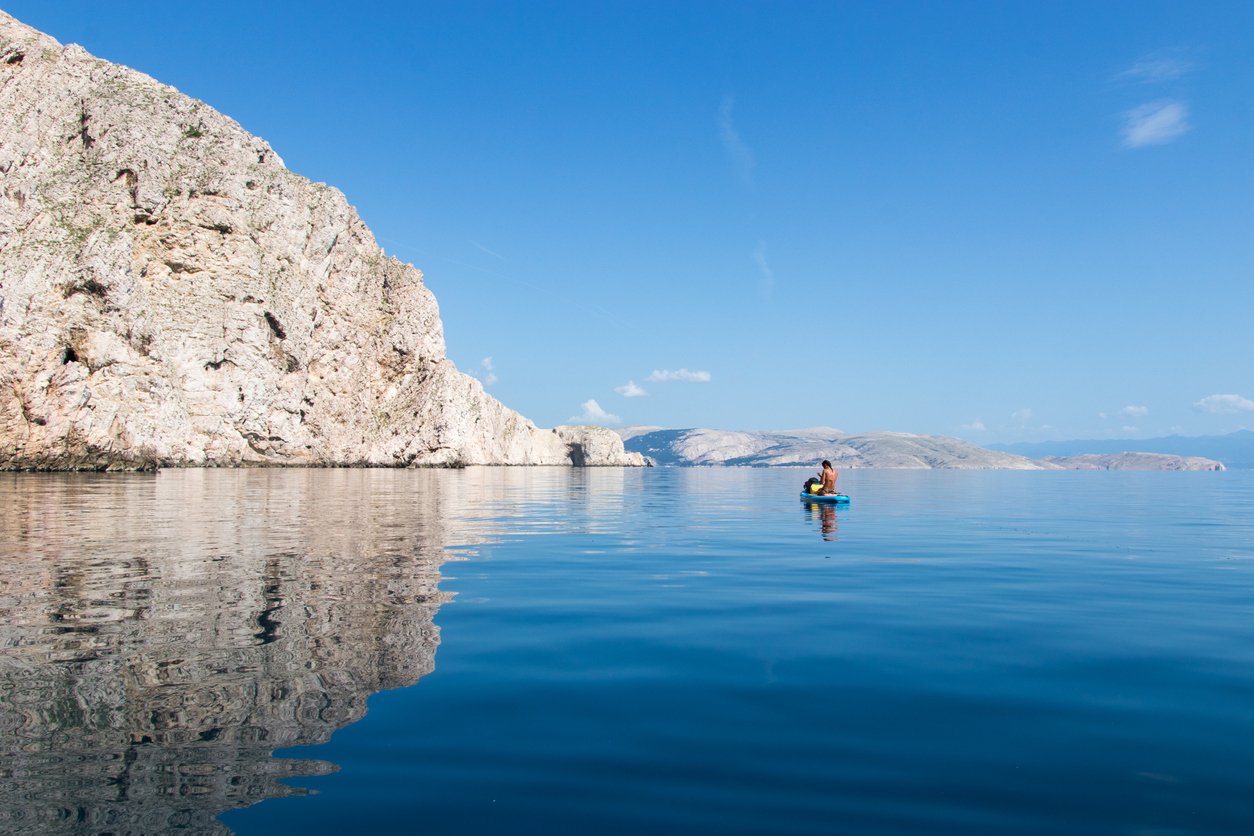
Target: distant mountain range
[(810, 446), (1235, 450)]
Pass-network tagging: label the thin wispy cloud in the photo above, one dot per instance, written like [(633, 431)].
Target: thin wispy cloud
[(594, 414), (1161, 121), (764, 267), (976, 426), (1020, 417), (482, 248), (487, 371), (1155, 68), (1224, 404), (1128, 429), (739, 153), (1155, 123), (678, 375), (1134, 411), (630, 390)]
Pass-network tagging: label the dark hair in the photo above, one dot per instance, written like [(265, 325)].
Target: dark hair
[(826, 463)]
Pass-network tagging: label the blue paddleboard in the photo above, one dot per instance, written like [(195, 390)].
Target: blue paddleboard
[(838, 498)]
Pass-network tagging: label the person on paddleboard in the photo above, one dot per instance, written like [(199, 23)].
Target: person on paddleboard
[(828, 477)]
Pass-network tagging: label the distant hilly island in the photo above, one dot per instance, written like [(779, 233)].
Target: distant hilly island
[(1235, 450), (783, 448)]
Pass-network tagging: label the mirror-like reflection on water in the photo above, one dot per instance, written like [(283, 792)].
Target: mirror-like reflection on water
[(824, 514), (623, 651), (163, 634)]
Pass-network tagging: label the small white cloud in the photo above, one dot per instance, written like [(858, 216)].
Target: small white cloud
[(741, 156), (1224, 404), (976, 426), (594, 414), (630, 390), (678, 375), (1127, 429), (1102, 415), (1021, 417), (1134, 411), (1155, 68), (489, 373), (768, 275), (1155, 123)]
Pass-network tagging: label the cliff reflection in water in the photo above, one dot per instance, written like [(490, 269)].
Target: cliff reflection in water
[(161, 635)]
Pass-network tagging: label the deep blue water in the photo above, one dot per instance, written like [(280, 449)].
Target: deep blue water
[(609, 651)]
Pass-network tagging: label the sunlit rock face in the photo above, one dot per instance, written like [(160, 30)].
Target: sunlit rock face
[(170, 294), (161, 635)]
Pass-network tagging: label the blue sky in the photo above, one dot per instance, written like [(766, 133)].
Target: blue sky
[(997, 220)]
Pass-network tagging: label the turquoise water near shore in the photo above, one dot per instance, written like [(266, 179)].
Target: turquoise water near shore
[(670, 650)]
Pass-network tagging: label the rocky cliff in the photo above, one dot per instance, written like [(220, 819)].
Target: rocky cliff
[(170, 294), (810, 446)]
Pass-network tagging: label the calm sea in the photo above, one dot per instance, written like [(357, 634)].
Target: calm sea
[(626, 651)]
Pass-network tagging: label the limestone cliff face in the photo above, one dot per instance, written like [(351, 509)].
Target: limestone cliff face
[(170, 294)]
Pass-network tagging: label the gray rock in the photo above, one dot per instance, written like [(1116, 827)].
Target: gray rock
[(170, 294)]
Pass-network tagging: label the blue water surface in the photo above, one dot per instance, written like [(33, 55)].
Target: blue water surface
[(545, 650), (695, 650)]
